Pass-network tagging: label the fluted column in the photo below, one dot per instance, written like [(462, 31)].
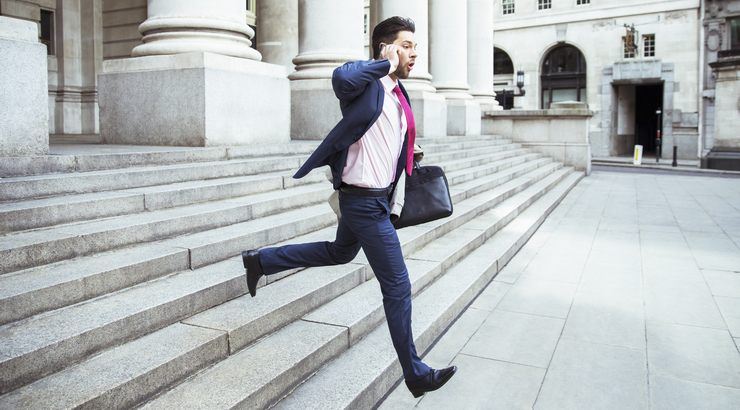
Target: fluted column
[(277, 31), (418, 11), (183, 26), (480, 53), (329, 34), (448, 39), (429, 107)]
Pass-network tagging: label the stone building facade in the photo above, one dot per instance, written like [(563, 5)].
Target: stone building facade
[(244, 71), (629, 60), (223, 72)]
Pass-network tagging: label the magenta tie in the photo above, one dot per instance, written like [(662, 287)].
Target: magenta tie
[(411, 125)]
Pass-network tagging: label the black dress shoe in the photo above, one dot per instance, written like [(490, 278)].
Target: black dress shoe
[(433, 381), (251, 261)]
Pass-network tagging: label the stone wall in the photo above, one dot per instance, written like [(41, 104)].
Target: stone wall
[(121, 19), (560, 132)]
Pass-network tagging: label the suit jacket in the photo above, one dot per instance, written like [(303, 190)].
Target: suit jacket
[(359, 90)]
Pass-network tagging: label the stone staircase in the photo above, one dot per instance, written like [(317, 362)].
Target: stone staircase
[(121, 284)]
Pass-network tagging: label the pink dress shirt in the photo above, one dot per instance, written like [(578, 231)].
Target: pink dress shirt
[(372, 160)]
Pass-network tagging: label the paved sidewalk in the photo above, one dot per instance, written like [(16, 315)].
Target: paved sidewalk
[(627, 297)]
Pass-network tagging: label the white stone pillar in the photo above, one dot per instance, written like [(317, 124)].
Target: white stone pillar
[(448, 38), (277, 31), (24, 114), (430, 110), (182, 26), (330, 34), (194, 82), (480, 53)]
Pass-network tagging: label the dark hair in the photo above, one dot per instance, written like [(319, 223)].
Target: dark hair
[(387, 30)]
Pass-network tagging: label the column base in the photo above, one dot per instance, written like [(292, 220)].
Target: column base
[(314, 109), (193, 99), (24, 116), (463, 117), (430, 113)]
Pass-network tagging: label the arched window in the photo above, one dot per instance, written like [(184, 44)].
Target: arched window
[(563, 76), (501, 62)]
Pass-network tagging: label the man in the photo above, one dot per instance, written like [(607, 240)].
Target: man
[(367, 151)]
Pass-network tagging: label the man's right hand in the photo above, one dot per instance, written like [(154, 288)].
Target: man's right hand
[(390, 51)]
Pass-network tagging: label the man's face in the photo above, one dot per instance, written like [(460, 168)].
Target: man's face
[(406, 55)]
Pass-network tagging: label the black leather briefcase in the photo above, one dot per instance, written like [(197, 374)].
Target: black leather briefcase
[(427, 197)]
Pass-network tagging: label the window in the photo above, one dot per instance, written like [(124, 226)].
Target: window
[(544, 4), (648, 45), (563, 76), (734, 24), (629, 48), (579, 2), (46, 31), (507, 6), (502, 62)]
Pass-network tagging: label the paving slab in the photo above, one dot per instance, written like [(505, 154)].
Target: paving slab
[(668, 393), (517, 338), (539, 297), (594, 376), (693, 353)]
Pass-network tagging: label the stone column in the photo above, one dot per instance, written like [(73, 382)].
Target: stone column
[(181, 26), (195, 81), (24, 115), (277, 31), (330, 34), (480, 53), (430, 110), (448, 40)]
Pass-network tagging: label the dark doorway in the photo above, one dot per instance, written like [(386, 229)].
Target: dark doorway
[(648, 100)]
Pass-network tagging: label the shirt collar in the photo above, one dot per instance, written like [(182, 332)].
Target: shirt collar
[(388, 83)]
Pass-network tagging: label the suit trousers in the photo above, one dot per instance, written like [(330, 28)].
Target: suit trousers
[(365, 223)]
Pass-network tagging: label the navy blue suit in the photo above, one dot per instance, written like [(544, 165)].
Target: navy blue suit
[(365, 221)]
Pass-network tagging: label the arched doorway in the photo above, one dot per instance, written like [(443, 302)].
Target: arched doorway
[(563, 76), (503, 77)]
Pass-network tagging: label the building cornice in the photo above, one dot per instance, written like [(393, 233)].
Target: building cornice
[(590, 14)]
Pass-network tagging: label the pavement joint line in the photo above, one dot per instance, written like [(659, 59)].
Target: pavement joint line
[(501, 361)]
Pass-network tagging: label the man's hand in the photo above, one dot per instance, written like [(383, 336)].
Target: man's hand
[(390, 51)]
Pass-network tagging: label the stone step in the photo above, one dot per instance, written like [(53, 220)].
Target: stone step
[(37, 213), (480, 171), (56, 285), (76, 335), (97, 157), (475, 160), (38, 186), (59, 284), (363, 374), (450, 154), (26, 249), (235, 377), (431, 148), (247, 319), (119, 377)]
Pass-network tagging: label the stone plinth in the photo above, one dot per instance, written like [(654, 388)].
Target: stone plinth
[(24, 116), (430, 113), (560, 132), (463, 117), (193, 99)]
